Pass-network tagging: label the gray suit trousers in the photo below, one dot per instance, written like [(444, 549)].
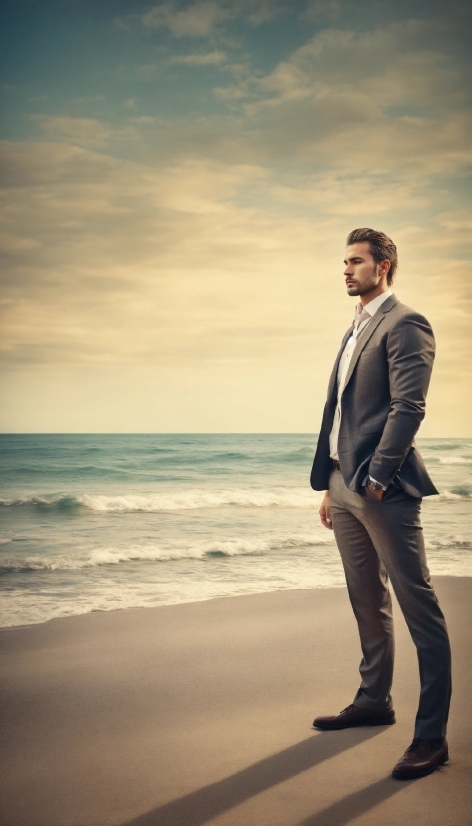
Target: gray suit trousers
[(379, 541)]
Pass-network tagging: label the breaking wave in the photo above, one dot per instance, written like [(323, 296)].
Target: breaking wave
[(188, 500), (455, 460), (145, 553), (184, 500)]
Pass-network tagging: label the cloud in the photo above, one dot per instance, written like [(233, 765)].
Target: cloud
[(321, 9), (230, 93), (212, 238), (264, 11), (391, 101), (288, 81), (97, 258), (109, 260), (209, 59), (404, 61), (399, 63), (202, 18), (146, 71), (339, 195), (198, 20), (88, 132)]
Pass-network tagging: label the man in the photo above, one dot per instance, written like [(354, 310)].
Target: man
[(374, 478)]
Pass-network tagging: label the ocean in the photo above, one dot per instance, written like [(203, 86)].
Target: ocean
[(100, 522)]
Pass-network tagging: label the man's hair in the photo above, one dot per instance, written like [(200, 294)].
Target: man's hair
[(381, 247)]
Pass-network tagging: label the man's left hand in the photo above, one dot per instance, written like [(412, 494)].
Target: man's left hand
[(376, 491), (377, 494)]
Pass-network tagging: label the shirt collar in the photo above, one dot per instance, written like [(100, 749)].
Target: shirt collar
[(374, 305)]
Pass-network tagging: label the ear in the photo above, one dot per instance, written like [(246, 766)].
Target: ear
[(384, 267)]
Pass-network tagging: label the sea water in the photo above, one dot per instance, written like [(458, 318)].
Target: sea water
[(100, 522)]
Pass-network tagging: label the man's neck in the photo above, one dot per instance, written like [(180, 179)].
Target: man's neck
[(366, 298)]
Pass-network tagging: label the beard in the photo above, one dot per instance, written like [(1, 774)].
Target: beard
[(355, 288)]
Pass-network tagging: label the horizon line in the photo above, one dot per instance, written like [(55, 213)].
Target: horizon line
[(185, 433)]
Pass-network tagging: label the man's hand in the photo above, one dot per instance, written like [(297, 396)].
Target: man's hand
[(377, 494), (325, 512)]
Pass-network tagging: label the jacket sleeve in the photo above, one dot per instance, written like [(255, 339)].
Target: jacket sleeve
[(410, 355)]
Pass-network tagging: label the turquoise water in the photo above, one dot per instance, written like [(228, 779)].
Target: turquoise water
[(98, 522)]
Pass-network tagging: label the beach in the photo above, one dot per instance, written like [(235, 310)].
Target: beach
[(200, 713)]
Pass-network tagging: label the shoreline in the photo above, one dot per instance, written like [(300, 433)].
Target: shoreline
[(187, 602), (182, 714), (334, 587)]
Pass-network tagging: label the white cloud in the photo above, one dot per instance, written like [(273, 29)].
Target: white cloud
[(383, 102), (209, 59), (321, 9), (399, 64), (340, 195), (257, 14), (202, 18), (288, 81), (196, 21), (88, 132), (230, 93)]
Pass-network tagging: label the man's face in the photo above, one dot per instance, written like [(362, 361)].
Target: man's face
[(361, 271)]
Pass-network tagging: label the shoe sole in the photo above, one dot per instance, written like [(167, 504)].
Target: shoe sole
[(380, 722), (423, 773)]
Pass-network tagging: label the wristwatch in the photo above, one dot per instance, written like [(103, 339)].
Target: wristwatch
[(374, 485)]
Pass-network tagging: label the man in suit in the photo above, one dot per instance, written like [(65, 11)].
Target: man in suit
[(375, 478)]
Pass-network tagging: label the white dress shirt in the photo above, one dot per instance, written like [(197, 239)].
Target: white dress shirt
[(362, 320)]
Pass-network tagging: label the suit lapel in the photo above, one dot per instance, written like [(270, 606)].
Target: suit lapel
[(367, 334)]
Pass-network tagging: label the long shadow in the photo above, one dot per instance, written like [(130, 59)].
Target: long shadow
[(355, 804), (196, 808)]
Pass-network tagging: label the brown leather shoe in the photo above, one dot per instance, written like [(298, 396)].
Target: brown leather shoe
[(421, 758), (353, 716)]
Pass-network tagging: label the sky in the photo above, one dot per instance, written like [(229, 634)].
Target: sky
[(178, 181)]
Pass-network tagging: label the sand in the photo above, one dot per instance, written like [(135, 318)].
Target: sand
[(193, 714)]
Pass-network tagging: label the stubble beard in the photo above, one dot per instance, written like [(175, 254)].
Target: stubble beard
[(362, 289)]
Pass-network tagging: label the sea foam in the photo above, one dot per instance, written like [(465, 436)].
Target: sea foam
[(179, 500), (98, 557)]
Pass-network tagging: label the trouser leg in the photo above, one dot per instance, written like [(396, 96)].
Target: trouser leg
[(367, 584), (395, 529), (388, 535)]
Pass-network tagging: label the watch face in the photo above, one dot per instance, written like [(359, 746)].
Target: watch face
[(374, 485)]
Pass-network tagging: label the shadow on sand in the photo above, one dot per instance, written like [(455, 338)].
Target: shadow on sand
[(355, 804), (198, 807)]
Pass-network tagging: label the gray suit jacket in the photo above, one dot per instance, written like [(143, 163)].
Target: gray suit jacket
[(383, 404)]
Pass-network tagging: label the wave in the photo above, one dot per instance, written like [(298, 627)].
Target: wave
[(455, 460), (320, 548), (46, 502), (185, 500), (193, 499), (440, 445), (449, 542), (142, 553), (63, 471), (463, 491), (302, 454)]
